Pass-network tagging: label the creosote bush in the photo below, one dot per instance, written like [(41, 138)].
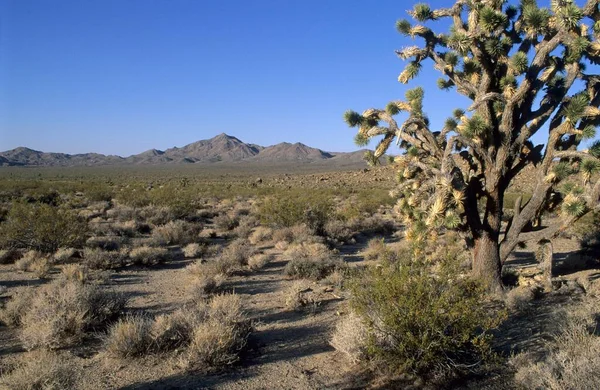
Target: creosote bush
[(60, 313), (423, 321), (311, 261), (211, 332), (41, 227), (41, 370), (148, 255)]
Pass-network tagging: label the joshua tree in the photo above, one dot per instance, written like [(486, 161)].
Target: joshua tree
[(526, 70)]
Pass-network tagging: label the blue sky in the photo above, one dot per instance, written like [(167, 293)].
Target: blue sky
[(124, 76)]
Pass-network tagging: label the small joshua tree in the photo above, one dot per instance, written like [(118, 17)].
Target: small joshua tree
[(527, 70)]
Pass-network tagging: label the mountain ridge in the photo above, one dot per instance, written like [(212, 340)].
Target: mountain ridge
[(222, 148)]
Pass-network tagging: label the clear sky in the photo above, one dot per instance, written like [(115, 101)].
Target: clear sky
[(124, 76)]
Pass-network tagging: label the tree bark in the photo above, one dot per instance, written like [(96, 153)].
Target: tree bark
[(486, 262)]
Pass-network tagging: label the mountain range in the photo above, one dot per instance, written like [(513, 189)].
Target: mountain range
[(222, 148)]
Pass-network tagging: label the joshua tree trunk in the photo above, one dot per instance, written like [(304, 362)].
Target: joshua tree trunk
[(486, 262)]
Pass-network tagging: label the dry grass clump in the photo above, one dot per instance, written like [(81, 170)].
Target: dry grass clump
[(212, 332), (175, 233), (40, 267), (61, 312), (375, 250), (8, 256), (28, 258), (373, 225), (156, 215), (234, 256), (296, 295), (260, 234), (97, 258), (41, 370), (258, 261), (572, 361), (219, 339), (107, 243), (226, 222), (121, 213), (296, 234), (129, 337), (350, 337), (518, 299), (338, 231), (148, 255), (311, 261), (63, 255), (128, 228), (13, 311), (207, 278), (194, 250)]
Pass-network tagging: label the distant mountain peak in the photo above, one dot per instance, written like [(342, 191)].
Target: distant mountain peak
[(222, 148)]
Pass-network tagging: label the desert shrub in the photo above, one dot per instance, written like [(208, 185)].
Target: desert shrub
[(290, 210), (108, 243), (311, 261), (373, 225), (40, 267), (182, 202), (14, 310), (351, 337), (41, 370), (245, 226), (98, 192), (338, 231), (129, 337), (100, 259), (28, 258), (41, 227), (376, 250), (148, 255), (175, 233), (126, 228), (60, 313), (206, 279), (8, 256), (219, 339), (518, 298), (260, 234), (296, 295), (258, 261), (194, 250), (134, 196), (234, 256), (572, 361), (63, 255), (226, 222), (155, 215), (296, 234), (422, 321)]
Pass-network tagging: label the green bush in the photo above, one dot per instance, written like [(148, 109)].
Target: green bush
[(41, 227), (423, 319), (295, 209)]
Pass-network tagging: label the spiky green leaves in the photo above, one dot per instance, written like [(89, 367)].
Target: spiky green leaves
[(495, 47), (361, 140), (451, 59), (392, 108), (458, 113), (575, 208), (450, 124), (490, 20), (595, 149), (422, 12), (588, 168), (519, 62), (575, 49), (562, 170), (460, 42), (352, 118), (411, 71), (370, 158), (444, 84), (568, 14), (451, 220), (476, 126), (415, 99), (404, 27), (535, 20), (588, 132), (575, 109)]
